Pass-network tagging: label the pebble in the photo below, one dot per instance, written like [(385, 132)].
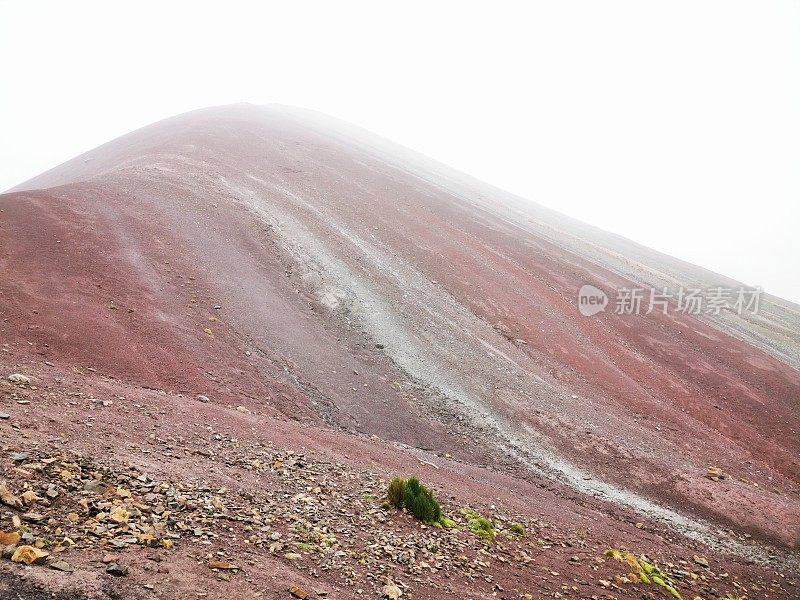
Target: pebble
[(298, 592), (61, 565), (117, 570), (94, 487), (19, 378), (33, 517), (700, 560), (201, 398)]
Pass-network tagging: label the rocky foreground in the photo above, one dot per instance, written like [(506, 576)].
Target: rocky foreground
[(90, 514)]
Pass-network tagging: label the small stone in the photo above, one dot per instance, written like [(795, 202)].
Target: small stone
[(392, 592), (149, 540), (95, 486), (61, 565), (8, 551), (298, 592), (7, 497), (19, 456), (700, 560), (716, 474), (117, 570), (119, 515), (29, 555), (4, 416), (201, 398), (19, 379), (111, 558), (29, 497), (9, 539), (33, 517), (292, 556), (222, 565)]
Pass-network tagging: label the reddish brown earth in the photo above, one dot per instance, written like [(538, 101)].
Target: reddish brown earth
[(373, 309)]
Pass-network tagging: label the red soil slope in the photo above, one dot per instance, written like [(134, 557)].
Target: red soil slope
[(267, 259)]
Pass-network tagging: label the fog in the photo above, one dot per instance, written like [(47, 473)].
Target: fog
[(674, 124)]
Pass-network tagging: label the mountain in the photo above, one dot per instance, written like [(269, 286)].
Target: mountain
[(271, 302)]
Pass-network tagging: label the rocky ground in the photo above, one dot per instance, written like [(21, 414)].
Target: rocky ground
[(100, 515)]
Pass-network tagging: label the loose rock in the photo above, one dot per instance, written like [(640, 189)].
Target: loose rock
[(117, 570), (61, 565), (298, 592), (29, 555)]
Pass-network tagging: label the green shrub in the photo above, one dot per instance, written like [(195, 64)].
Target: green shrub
[(420, 502), (517, 529), (396, 492)]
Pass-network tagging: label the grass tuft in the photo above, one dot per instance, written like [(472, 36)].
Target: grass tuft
[(480, 526), (647, 573), (396, 492)]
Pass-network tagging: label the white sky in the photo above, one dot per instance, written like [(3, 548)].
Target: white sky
[(676, 124)]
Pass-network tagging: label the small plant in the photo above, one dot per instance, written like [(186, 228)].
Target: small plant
[(517, 529), (420, 502), (395, 494), (480, 526), (644, 571), (417, 499), (305, 547)]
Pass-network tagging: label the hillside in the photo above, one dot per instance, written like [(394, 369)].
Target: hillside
[(347, 311)]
